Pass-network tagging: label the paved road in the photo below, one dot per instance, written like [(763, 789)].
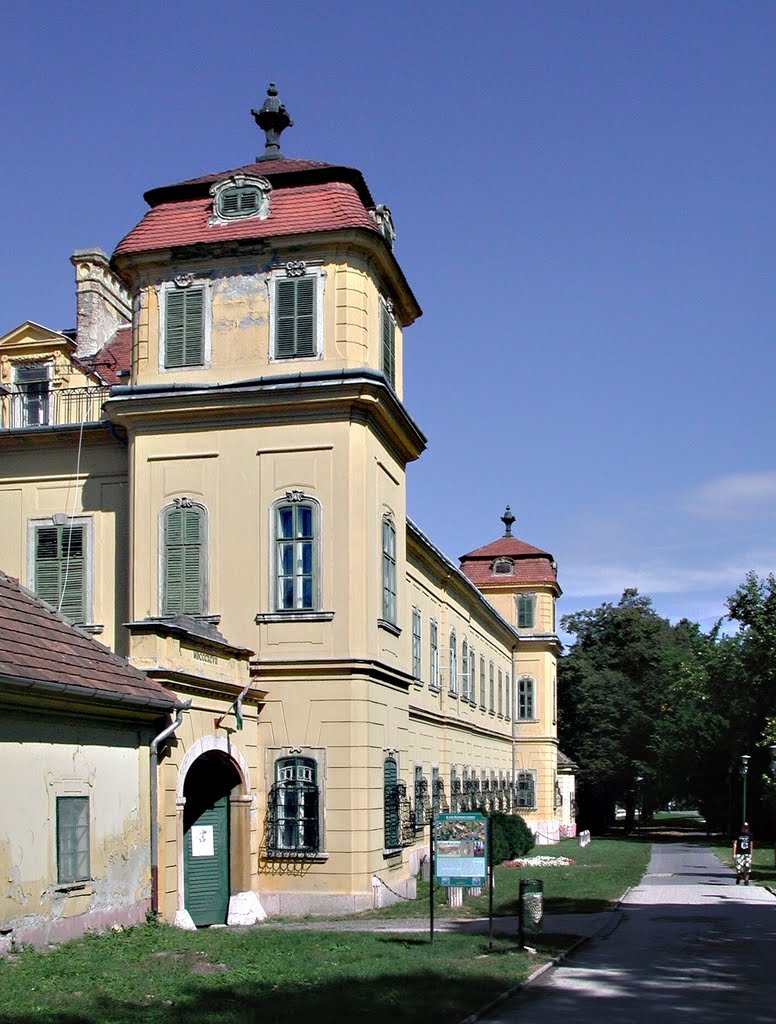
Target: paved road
[(687, 944)]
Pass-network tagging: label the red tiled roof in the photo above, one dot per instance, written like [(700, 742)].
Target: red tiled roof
[(506, 547), (525, 570), (39, 646), (115, 355), (303, 209), (531, 565), (266, 168)]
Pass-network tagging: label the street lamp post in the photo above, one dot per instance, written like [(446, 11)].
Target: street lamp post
[(744, 769)]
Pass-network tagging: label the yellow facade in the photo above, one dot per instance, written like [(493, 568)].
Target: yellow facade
[(333, 688)]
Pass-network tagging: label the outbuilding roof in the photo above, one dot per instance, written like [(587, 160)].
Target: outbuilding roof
[(40, 650)]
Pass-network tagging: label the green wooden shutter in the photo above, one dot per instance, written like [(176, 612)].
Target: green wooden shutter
[(390, 779), (60, 563), (184, 333), (183, 569), (388, 345), (295, 317)]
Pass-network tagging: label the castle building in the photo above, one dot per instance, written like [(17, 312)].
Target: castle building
[(208, 476)]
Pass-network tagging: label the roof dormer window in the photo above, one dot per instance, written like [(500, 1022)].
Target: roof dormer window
[(239, 197), (503, 567)]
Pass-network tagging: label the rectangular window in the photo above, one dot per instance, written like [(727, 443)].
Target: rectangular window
[(482, 683), (500, 693), (388, 344), (453, 666), (295, 316), (32, 408), (389, 570), (416, 642), (295, 555), (72, 839), (526, 790), (508, 700), (525, 698), (184, 562), (60, 568), (392, 805), (465, 670), (433, 631), (526, 611), (184, 327), (295, 805), (492, 678)]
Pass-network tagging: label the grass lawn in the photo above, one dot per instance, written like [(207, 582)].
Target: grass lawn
[(763, 870), (602, 872), (264, 975)]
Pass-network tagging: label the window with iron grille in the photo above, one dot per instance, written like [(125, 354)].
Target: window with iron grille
[(184, 326), (389, 570), (526, 789), (526, 611), (296, 555), (421, 799), (295, 807), (60, 568), (526, 698), (433, 631), (72, 839), (392, 805), (183, 558)]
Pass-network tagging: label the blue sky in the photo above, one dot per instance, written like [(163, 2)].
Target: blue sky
[(585, 206)]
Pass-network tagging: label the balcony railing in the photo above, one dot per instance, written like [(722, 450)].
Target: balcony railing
[(48, 408)]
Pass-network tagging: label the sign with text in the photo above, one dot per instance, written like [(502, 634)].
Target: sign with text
[(461, 849)]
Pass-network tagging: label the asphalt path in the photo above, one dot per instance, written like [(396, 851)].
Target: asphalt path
[(686, 944)]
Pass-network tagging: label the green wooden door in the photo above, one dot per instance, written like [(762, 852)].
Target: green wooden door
[(206, 864)]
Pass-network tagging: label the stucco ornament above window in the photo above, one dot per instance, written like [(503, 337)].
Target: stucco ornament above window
[(503, 567), (240, 197)]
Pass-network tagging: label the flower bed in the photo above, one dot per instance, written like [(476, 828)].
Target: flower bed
[(539, 862)]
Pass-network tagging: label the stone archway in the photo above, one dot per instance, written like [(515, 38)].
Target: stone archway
[(214, 793)]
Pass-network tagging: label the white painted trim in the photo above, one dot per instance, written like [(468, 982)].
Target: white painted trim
[(207, 309), (203, 746), (281, 274)]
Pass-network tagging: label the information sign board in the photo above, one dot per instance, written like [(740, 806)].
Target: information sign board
[(461, 849)]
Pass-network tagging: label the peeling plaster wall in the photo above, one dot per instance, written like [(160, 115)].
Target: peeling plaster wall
[(45, 757)]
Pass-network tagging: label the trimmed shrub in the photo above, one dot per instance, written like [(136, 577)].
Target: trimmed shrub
[(511, 837)]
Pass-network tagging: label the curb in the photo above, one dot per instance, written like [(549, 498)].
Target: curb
[(555, 962)]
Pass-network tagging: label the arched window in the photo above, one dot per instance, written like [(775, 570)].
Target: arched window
[(389, 570), (391, 828), (295, 802), (184, 565), (526, 697), (453, 664), (296, 537)]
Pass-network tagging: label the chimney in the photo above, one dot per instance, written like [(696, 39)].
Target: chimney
[(102, 301)]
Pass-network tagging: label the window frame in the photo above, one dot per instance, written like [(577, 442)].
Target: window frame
[(318, 755), (86, 523), (293, 500), (527, 699), (500, 693), (183, 284), (299, 788), (453, 664), (464, 669), (433, 642), (389, 575), (417, 643), (387, 845), (525, 774), (521, 612), (73, 877), (185, 504), (20, 410), (483, 688), (492, 687), (388, 320), (297, 272)]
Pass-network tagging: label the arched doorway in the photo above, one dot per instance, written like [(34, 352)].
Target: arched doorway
[(207, 788)]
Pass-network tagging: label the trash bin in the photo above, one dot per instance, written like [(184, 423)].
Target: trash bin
[(530, 907)]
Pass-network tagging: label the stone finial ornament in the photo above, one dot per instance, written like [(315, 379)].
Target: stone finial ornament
[(507, 519), (273, 119)]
